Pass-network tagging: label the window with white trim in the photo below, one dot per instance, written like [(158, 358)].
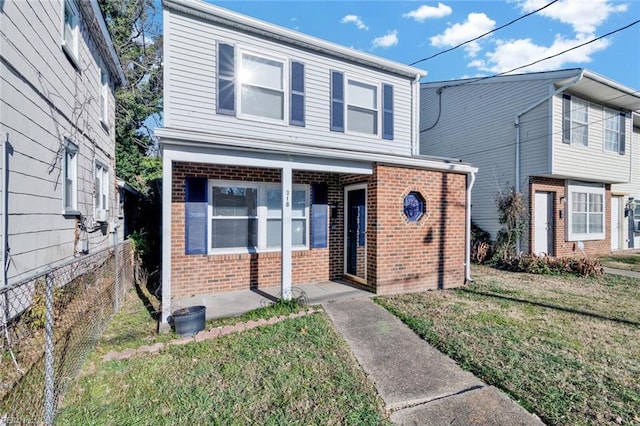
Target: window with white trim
[(262, 83), (70, 188), (362, 107), (247, 216), (70, 29), (636, 215), (104, 94), (614, 131), (586, 212), (101, 192), (575, 121)]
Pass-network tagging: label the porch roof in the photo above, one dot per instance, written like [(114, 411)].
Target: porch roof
[(195, 142)]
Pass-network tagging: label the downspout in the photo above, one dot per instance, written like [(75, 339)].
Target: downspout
[(471, 178), (4, 144), (517, 126), (415, 145)]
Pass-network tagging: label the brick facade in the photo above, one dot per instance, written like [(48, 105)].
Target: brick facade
[(562, 247), (402, 256)]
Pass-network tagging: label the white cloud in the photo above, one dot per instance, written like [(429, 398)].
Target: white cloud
[(355, 19), (425, 12), (387, 40), (475, 25), (510, 54), (583, 15)]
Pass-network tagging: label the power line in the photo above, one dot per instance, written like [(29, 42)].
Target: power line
[(485, 34)]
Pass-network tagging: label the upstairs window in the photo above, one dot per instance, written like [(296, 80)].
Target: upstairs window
[(251, 85), (614, 131), (70, 30), (356, 106), (262, 87), (575, 121), (586, 212), (104, 95), (70, 189)]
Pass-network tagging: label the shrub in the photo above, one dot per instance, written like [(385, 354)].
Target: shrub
[(547, 265), (481, 245)]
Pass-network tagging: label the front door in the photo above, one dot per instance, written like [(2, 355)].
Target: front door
[(355, 232), (615, 223), (544, 224)]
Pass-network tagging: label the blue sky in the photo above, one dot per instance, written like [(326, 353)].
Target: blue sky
[(407, 31)]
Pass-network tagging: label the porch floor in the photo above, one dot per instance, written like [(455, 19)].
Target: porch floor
[(238, 302)]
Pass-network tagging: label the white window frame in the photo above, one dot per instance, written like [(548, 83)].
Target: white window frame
[(71, 33), (576, 123), (100, 190), (104, 87), (347, 104), (589, 189), (240, 84), (261, 216), (70, 179), (615, 115)]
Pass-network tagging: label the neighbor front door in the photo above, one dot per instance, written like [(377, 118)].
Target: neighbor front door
[(543, 243), (616, 223), (355, 232)]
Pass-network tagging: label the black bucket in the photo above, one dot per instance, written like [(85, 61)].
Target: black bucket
[(189, 321)]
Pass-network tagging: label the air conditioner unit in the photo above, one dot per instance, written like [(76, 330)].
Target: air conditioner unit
[(101, 215)]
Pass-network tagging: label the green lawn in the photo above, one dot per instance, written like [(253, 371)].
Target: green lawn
[(627, 261), (566, 348), (298, 371)]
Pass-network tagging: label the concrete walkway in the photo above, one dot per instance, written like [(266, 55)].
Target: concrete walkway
[(624, 273), (419, 384)]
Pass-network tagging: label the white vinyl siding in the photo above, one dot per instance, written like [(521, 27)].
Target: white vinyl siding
[(247, 216), (191, 91), (586, 212)]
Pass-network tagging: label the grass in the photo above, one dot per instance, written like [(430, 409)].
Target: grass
[(628, 262), (565, 347), (298, 371)]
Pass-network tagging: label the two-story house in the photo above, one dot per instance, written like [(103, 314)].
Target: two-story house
[(564, 139), (57, 111), (289, 160)]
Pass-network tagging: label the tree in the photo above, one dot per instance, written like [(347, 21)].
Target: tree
[(137, 36)]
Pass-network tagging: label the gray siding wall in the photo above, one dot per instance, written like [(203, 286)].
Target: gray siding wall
[(591, 163), (476, 125), (45, 99), (633, 149), (190, 90)]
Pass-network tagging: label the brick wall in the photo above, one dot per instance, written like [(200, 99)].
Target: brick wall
[(413, 256), (402, 256), (561, 246)]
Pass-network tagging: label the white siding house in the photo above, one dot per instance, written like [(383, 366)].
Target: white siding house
[(563, 139), (57, 80), (284, 154)]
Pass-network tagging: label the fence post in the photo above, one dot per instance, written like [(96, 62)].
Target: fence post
[(49, 398)]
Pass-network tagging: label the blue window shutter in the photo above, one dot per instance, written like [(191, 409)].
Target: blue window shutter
[(319, 215), (195, 220), (226, 79), (337, 101), (566, 119), (623, 131), (387, 111), (297, 94)]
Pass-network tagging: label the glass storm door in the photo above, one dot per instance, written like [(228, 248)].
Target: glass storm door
[(355, 227)]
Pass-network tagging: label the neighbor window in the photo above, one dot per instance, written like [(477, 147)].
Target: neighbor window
[(248, 216), (575, 121), (70, 189), (70, 30), (101, 191), (636, 216), (614, 131), (586, 212), (104, 94)]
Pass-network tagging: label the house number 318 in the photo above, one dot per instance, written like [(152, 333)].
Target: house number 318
[(286, 198)]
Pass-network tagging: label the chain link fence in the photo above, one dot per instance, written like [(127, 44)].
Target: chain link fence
[(50, 323)]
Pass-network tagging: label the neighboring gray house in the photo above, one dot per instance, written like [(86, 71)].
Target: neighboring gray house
[(566, 139), (57, 111), (288, 159)]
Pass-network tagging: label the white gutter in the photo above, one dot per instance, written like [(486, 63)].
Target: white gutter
[(415, 142), (517, 125), (467, 267)]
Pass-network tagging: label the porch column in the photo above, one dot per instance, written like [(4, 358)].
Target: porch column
[(287, 195)]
